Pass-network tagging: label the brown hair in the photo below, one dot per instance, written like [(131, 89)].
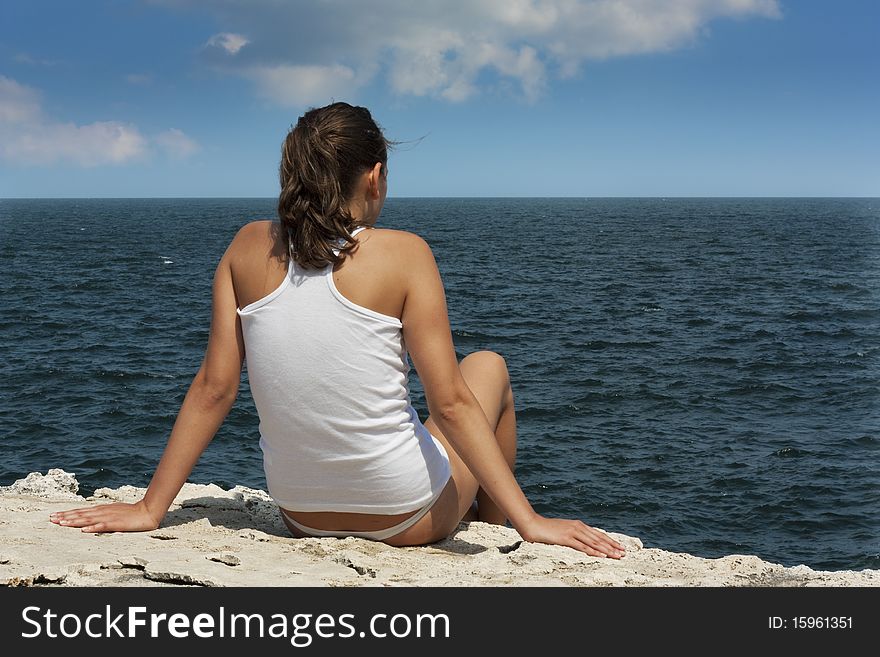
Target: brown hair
[(322, 156)]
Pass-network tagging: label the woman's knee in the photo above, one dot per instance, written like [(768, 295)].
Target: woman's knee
[(485, 362), (487, 370)]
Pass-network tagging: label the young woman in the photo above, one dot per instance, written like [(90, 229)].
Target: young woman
[(326, 307)]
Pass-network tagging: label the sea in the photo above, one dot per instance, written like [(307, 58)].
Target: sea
[(702, 373)]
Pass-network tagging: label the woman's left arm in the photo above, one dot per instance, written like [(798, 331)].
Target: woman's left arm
[(207, 403)]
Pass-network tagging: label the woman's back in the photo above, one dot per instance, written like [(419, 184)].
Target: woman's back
[(369, 277), (329, 380)]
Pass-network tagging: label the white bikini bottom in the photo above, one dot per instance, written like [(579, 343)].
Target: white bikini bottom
[(377, 535)]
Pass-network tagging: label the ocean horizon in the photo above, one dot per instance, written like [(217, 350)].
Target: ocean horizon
[(433, 198)]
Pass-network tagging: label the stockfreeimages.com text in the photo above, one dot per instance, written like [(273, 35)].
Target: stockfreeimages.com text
[(301, 629)]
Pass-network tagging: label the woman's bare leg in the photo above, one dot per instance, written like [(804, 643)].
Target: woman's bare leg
[(486, 375)]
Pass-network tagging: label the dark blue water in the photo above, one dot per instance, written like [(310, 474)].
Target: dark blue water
[(701, 373)]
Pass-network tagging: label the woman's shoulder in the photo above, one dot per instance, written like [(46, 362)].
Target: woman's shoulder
[(390, 242), (257, 229), (259, 236), (268, 230), (387, 245)]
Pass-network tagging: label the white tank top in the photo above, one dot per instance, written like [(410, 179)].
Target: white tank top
[(329, 380)]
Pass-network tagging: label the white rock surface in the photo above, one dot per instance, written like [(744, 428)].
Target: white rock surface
[(55, 485), (217, 537)]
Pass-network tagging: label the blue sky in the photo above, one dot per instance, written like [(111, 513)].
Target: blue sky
[(509, 97)]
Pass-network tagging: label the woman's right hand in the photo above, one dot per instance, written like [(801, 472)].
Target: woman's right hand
[(574, 534), (116, 517)]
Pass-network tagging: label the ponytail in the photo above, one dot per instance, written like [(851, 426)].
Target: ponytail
[(321, 159)]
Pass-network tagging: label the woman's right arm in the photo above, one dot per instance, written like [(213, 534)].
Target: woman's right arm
[(459, 416), (206, 404)]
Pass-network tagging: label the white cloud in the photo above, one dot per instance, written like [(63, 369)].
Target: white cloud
[(25, 58), (176, 144), (28, 137), (302, 85), (230, 42), (18, 103), (443, 47), (103, 142)]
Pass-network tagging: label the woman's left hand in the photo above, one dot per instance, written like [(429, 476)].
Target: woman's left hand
[(116, 517), (572, 533)]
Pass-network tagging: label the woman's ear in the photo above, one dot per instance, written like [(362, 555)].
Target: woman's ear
[(375, 175)]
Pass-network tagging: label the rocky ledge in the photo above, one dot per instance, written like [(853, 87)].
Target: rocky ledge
[(217, 537)]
